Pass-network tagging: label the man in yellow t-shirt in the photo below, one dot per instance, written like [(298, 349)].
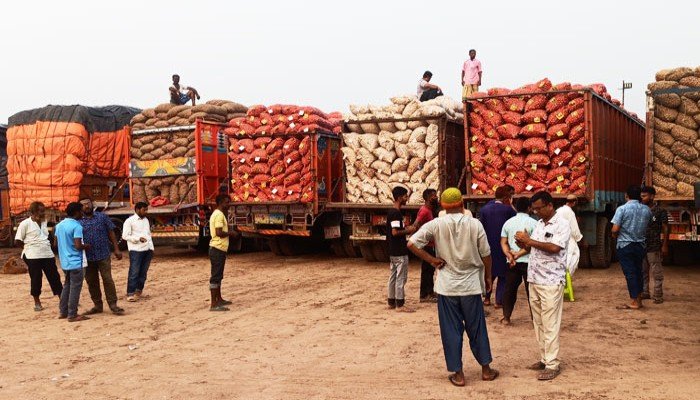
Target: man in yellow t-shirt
[(218, 246)]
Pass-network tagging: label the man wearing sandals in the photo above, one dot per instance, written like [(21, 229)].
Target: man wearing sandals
[(69, 239), (546, 276), (462, 255), (218, 248), (98, 232)]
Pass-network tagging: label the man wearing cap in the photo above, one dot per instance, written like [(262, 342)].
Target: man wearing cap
[(462, 255), (573, 254)]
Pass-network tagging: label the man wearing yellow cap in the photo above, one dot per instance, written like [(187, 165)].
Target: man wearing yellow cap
[(462, 256)]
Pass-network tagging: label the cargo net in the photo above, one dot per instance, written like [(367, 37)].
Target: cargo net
[(533, 139), (271, 152), (676, 123), (159, 191), (403, 154)]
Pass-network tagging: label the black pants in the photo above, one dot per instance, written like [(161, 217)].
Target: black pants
[(427, 271), (48, 266), (430, 94), (514, 276), (218, 261)]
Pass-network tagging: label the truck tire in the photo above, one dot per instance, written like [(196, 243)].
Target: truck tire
[(119, 225), (288, 246), (601, 253), (338, 248), (350, 249), (585, 260), (274, 246), (381, 252), (367, 253)]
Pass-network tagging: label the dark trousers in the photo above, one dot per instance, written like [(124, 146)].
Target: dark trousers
[(514, 276), (139, 261), (631, 257), (70, 296), (93, 271), (500, 282), (48, 266), (427, 271), (430, 94), (458, 314), (218, 261)]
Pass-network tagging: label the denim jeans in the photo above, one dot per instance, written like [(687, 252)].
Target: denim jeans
[(630, 258), (139, 261), (70, 296)]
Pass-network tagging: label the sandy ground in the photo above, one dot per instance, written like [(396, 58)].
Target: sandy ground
[(316, 328)]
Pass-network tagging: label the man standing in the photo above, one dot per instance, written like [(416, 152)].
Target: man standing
[(181, 94), (69, 238), (518, 259), (218, 248), (492, 216), (398, 252), (546, 276), (98, 232), (656, 248), (33, 238), (137, 234), (471, 75), (462, 257), (426, 214), (573, 253), (630, 227), (426, 90)]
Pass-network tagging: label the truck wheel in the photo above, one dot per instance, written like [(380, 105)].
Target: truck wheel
[(119, 225), (274, 246), (350, 248), (367, 253), (338, 248), (601, 253), (381, 253), (288, 246), (585, 260)]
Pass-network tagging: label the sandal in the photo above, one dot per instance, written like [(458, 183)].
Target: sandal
[(78, 318), (93, 310), (538, 366), (627, 307), (38, 307), (454, 380), (548, 374), (493, 376), (223, 302), (405, 309), (117, 311), (218, 308)]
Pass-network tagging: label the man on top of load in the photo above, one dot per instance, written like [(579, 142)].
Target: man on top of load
[(471, 75), (426, 90), (181, 94)]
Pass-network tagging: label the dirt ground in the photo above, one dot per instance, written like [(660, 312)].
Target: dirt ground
[(316, 327)]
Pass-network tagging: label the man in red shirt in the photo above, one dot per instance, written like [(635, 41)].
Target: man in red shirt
[(426, 214)]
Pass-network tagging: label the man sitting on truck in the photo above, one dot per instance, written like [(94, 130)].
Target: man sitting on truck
[(181, 94), (426, 90)]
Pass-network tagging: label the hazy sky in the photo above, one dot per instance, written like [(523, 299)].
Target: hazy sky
[(331, 53)]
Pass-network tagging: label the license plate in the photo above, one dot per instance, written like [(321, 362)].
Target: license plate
[(331, 232), (277, 219), (262, 218)]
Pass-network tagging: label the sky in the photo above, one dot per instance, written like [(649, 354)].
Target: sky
[(329, 54)]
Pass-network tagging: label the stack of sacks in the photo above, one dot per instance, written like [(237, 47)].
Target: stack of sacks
[(401, 107), (533, 139), (167, 114), (180, 189), (376, 163), (676, 135), (270, 152), (284, 119)]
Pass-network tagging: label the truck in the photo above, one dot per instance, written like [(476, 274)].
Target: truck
[(59, 154), (192, 181), (673, 166), (612, 157), (5, 221)]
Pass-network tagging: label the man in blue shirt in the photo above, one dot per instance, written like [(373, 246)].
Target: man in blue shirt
[(630, 228), (492, 216), (518, 259), (69, 238), (98, 231)]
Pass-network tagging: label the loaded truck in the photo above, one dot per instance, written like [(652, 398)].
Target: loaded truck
[(673, 165), (181, 183), (5, 221), (59, 154), (582, 144)]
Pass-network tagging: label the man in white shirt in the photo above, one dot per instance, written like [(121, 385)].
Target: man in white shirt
[(180, 94), (462, 258), (546, 276), (137, 234), (573, 254), (471, 75), (426, 90), (33, 237)]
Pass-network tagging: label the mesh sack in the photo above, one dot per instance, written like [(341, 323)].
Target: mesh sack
[(535, 117)]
